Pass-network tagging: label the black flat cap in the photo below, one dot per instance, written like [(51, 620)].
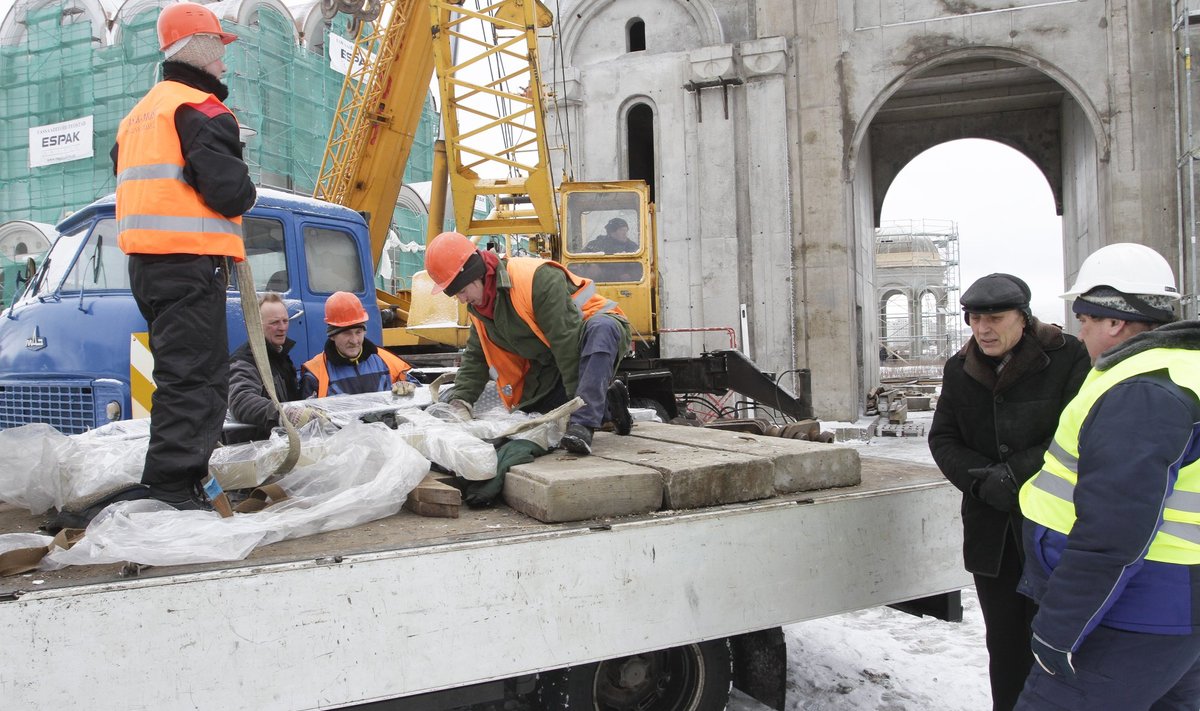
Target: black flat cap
[(994, 293)]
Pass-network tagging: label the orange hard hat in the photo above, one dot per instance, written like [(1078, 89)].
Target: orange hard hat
[(185, 19), (343, 309), (445, 258)]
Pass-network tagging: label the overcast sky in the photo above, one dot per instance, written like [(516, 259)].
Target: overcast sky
[(1004, 210)]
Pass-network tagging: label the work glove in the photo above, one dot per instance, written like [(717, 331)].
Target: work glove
[(996, 486), (300, 415), (1056, 662), (479, 494), (461, 410), (403, 388)]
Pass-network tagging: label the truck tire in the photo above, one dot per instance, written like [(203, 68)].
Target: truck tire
[(651, 404), (694, 677)]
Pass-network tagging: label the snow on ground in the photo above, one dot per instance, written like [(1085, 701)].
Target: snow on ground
[(882, 659)]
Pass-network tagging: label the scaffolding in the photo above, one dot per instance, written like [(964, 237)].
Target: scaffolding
[(917, 282), (1185, 16), (68, 65)]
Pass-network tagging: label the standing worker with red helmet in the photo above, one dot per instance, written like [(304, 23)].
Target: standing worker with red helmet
[(182, 187), (350, 364), (545, 332)]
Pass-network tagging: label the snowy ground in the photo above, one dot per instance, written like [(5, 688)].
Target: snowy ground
[(882, 659)]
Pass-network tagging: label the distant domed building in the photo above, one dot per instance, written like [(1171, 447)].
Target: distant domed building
[(916, 283)]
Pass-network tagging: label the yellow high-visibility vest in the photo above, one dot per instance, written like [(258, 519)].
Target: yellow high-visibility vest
[(1048, 497)]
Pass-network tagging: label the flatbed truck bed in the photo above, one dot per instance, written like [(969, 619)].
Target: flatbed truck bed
[(407, 605)]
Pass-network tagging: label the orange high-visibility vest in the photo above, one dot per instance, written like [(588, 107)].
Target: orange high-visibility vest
[(318, 366), (511, 368), (157, 211)]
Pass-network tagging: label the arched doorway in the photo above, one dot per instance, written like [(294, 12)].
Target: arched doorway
[(1027, 116)]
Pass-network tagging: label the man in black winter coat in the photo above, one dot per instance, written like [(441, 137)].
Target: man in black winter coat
[(1002, 394), (248, 399)]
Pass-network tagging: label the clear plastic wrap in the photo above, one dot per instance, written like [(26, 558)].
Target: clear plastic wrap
[(449, 444), (249, 464), (366, 474), (346, 408), (29, 472)]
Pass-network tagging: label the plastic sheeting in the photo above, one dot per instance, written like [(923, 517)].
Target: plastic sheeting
[(366, 474), (346, 476), (45, 469)]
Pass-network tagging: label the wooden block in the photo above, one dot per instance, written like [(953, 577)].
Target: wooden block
[(422, 508), (561, 487), (797, 465), (692, 476), (432, 491), (434, 498)]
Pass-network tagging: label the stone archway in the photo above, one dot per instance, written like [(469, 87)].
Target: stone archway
[(1010, 97)]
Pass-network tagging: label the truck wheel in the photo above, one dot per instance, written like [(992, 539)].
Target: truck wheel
[(694, 677), (651, 404)]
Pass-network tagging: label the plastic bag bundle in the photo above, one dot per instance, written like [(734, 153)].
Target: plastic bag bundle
[(366, 474), (29, 472), (449, 444)]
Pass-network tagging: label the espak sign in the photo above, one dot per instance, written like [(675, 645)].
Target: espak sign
[(60, 142)]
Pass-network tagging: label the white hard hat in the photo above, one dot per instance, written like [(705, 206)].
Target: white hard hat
[(1127, 267)]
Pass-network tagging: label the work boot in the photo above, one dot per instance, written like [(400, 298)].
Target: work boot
[(79, 513), (189, 498), (577, 439), (618, 407)]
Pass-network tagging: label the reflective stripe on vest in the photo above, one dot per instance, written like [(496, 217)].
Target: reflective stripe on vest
[(157, 211), (1048, 498), (510, 368)]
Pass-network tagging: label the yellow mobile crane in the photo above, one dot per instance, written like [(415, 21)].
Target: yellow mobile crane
[(495, 148)]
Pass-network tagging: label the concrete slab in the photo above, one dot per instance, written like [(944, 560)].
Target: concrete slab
[(797, 465), (692, 476), (562, 487)]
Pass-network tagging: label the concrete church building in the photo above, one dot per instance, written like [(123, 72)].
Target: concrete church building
[(771, 131)]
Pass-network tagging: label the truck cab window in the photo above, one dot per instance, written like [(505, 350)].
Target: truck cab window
[(333, 260), (265, 252), (100, 265)]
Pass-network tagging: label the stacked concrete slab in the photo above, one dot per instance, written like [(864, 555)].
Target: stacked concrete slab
[(663, 467)]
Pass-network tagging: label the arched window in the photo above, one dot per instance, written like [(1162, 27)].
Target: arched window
[(639, 137), (635, 35)]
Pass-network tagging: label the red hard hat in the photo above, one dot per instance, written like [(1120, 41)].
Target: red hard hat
[(445, 257), (185, 19), (343, 309)]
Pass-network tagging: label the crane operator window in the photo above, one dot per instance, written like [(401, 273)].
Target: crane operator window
[(333, 261), (599, 226)]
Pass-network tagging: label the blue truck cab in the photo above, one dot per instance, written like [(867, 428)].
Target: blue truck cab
[(66, 341)]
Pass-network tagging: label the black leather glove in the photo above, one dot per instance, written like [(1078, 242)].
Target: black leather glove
[(995, 486), (1056, 662)]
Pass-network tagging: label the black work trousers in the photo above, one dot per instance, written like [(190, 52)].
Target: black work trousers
[(182, 298), (1007, 620)]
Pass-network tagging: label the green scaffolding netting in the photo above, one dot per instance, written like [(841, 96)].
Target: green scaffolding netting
[(64, 70)]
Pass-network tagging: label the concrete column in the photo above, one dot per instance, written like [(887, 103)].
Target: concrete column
[(766, 256), (565, 113), (714, 157)]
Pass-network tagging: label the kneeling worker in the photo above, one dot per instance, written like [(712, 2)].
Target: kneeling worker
[(545, 331), (350, 364)]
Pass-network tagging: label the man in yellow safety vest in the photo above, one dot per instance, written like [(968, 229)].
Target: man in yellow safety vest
[(1112, 532)]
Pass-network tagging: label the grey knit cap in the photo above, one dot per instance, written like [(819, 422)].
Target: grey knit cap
[(198, 50)]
